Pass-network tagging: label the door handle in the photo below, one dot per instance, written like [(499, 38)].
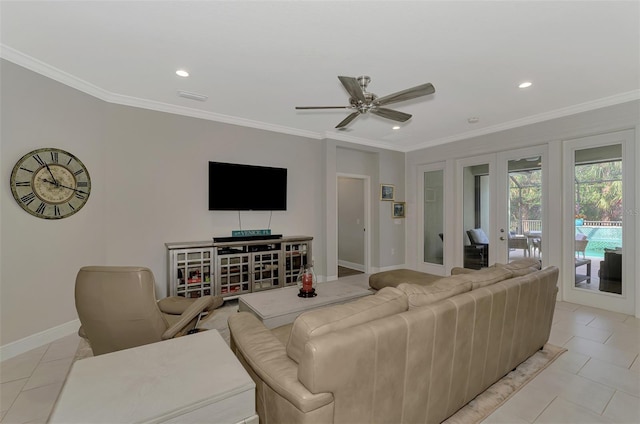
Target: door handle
[(502, 238)]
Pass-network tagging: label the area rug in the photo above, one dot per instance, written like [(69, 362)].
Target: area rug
[(496, 395)]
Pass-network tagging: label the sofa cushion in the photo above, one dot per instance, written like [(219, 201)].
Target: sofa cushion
[(521, 267), (394, 277), (385, 302), (418, 295), (488, 276)]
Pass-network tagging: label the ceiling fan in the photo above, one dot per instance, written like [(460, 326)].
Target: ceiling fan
[(361, 101)]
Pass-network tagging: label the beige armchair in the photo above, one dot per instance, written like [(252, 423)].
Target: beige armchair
[(118, 309)]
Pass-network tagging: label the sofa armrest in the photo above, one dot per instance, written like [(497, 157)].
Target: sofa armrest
[(268, 359)]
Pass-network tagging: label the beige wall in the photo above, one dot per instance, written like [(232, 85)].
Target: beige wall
[(383, 166), (40, 257), (149, 187)]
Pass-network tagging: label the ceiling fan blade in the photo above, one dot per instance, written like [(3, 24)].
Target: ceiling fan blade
[(321, 107), (348, 120), (353, 88), (391, 114), (408, 94)]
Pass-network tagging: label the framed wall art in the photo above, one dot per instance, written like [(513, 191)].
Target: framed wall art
[(387, 192), (398, 209)]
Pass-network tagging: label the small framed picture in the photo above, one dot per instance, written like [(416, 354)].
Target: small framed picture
[(398, 209), (387, 192)]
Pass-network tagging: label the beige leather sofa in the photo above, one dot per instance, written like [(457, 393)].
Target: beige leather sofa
[(411, 354)]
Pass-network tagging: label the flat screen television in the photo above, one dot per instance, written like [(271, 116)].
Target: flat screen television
[(239, 187)]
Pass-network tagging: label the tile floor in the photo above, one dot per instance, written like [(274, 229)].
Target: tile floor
[(596, 381)]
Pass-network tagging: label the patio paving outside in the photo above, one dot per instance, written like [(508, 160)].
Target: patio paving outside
[(593, 283)]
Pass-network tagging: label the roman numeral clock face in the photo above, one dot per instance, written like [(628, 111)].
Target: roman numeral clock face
[(50, 183)]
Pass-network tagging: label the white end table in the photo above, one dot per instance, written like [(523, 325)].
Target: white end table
[(189, 379), (281, 306)]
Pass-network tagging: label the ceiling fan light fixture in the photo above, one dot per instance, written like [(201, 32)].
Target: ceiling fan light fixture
[(182, 73), (362, 101), (525, 84)]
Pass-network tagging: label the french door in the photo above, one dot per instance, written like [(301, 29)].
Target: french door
[(501, 207)]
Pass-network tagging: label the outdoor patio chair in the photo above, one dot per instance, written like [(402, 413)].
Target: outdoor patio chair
[(610, 272), (519, 241), (581, 245), (477, 254)]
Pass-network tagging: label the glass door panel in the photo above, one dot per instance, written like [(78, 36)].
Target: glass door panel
[(476, 213), (524, 203), (433, 217), (521, 204), (599, 218)]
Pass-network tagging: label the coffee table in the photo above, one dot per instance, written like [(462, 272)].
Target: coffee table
[(281, 306)]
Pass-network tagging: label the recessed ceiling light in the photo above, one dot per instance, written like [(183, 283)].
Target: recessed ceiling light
[(525, 84), (182, 73), (473, 120), (396, 127)]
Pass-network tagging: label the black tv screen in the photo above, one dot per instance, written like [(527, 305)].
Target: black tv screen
[(238, 187)]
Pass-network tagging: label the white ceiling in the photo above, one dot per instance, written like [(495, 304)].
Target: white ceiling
[(257, 60)]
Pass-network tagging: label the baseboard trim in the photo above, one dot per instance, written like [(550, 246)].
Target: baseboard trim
[(39, 339), (351, 265)]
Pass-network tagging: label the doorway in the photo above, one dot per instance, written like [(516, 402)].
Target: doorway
[(353, 205)]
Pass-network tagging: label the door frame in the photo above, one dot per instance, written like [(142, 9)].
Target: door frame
[(626, 302), (367, 217)]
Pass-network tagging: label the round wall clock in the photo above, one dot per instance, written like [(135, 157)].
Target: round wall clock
[(50, 183)]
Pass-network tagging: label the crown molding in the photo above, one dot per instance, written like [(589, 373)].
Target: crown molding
[(56, 74), (51, 72), (210, 116), (533, 119), (65, 78), (358, 140)]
